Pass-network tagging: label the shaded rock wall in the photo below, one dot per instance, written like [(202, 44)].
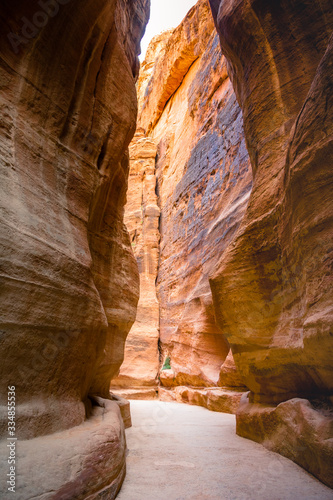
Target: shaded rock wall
[(280, 255), (189, 110), (69, 279), (272, 288)]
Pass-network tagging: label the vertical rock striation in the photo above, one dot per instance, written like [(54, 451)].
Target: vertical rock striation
[(141, 363), (69, 279), (189, 110), (272, 287), (203, 182)]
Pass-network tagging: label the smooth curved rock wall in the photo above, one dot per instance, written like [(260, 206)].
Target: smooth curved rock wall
[(69, 278), (272, 288), (274, 308)]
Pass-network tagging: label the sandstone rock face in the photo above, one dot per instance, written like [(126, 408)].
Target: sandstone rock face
[(187, 109), (272, 288), (275, 309), (125, 410), (203, 186), (69, 278), (214, 399), (156, 49), (141, 363), (229, 374), (84, 462), (142, 393), (295, 428)]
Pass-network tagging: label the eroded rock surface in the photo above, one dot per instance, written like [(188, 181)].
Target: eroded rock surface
[(295, 428), (187, 108), (69, 277), (214, 398), (142, 214), (272, 288), (86, 461), (203, 186)]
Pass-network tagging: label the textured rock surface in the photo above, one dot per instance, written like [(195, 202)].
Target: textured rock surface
[(125, 409), (203, 185), (215, 399), (143, 393), (141, 363), (229, 375), (186, 107), (296, 429), (272, 288), (83, 462), (275, 309), (156, 49), (69, 278)]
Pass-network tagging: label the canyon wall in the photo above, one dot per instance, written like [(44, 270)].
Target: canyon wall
[(187, 107), (141, 363), (69, 278), (203, 185), (272, 287)]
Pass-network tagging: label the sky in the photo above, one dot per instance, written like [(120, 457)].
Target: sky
[(164, 14)]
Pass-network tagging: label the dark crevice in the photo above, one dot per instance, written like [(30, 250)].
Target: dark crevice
[(80, 81), (97, 78), (102, 154)]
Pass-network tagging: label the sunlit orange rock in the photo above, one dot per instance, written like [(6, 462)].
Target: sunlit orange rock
[(188, 111), (203, 186), (214, 398), (142, 214)]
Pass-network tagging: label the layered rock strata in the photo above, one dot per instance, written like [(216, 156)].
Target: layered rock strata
[(214, 398), (297, 428), (272, 288), (83, 462), (187, 109), (69, 278), (141, 363), (203, 184)]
